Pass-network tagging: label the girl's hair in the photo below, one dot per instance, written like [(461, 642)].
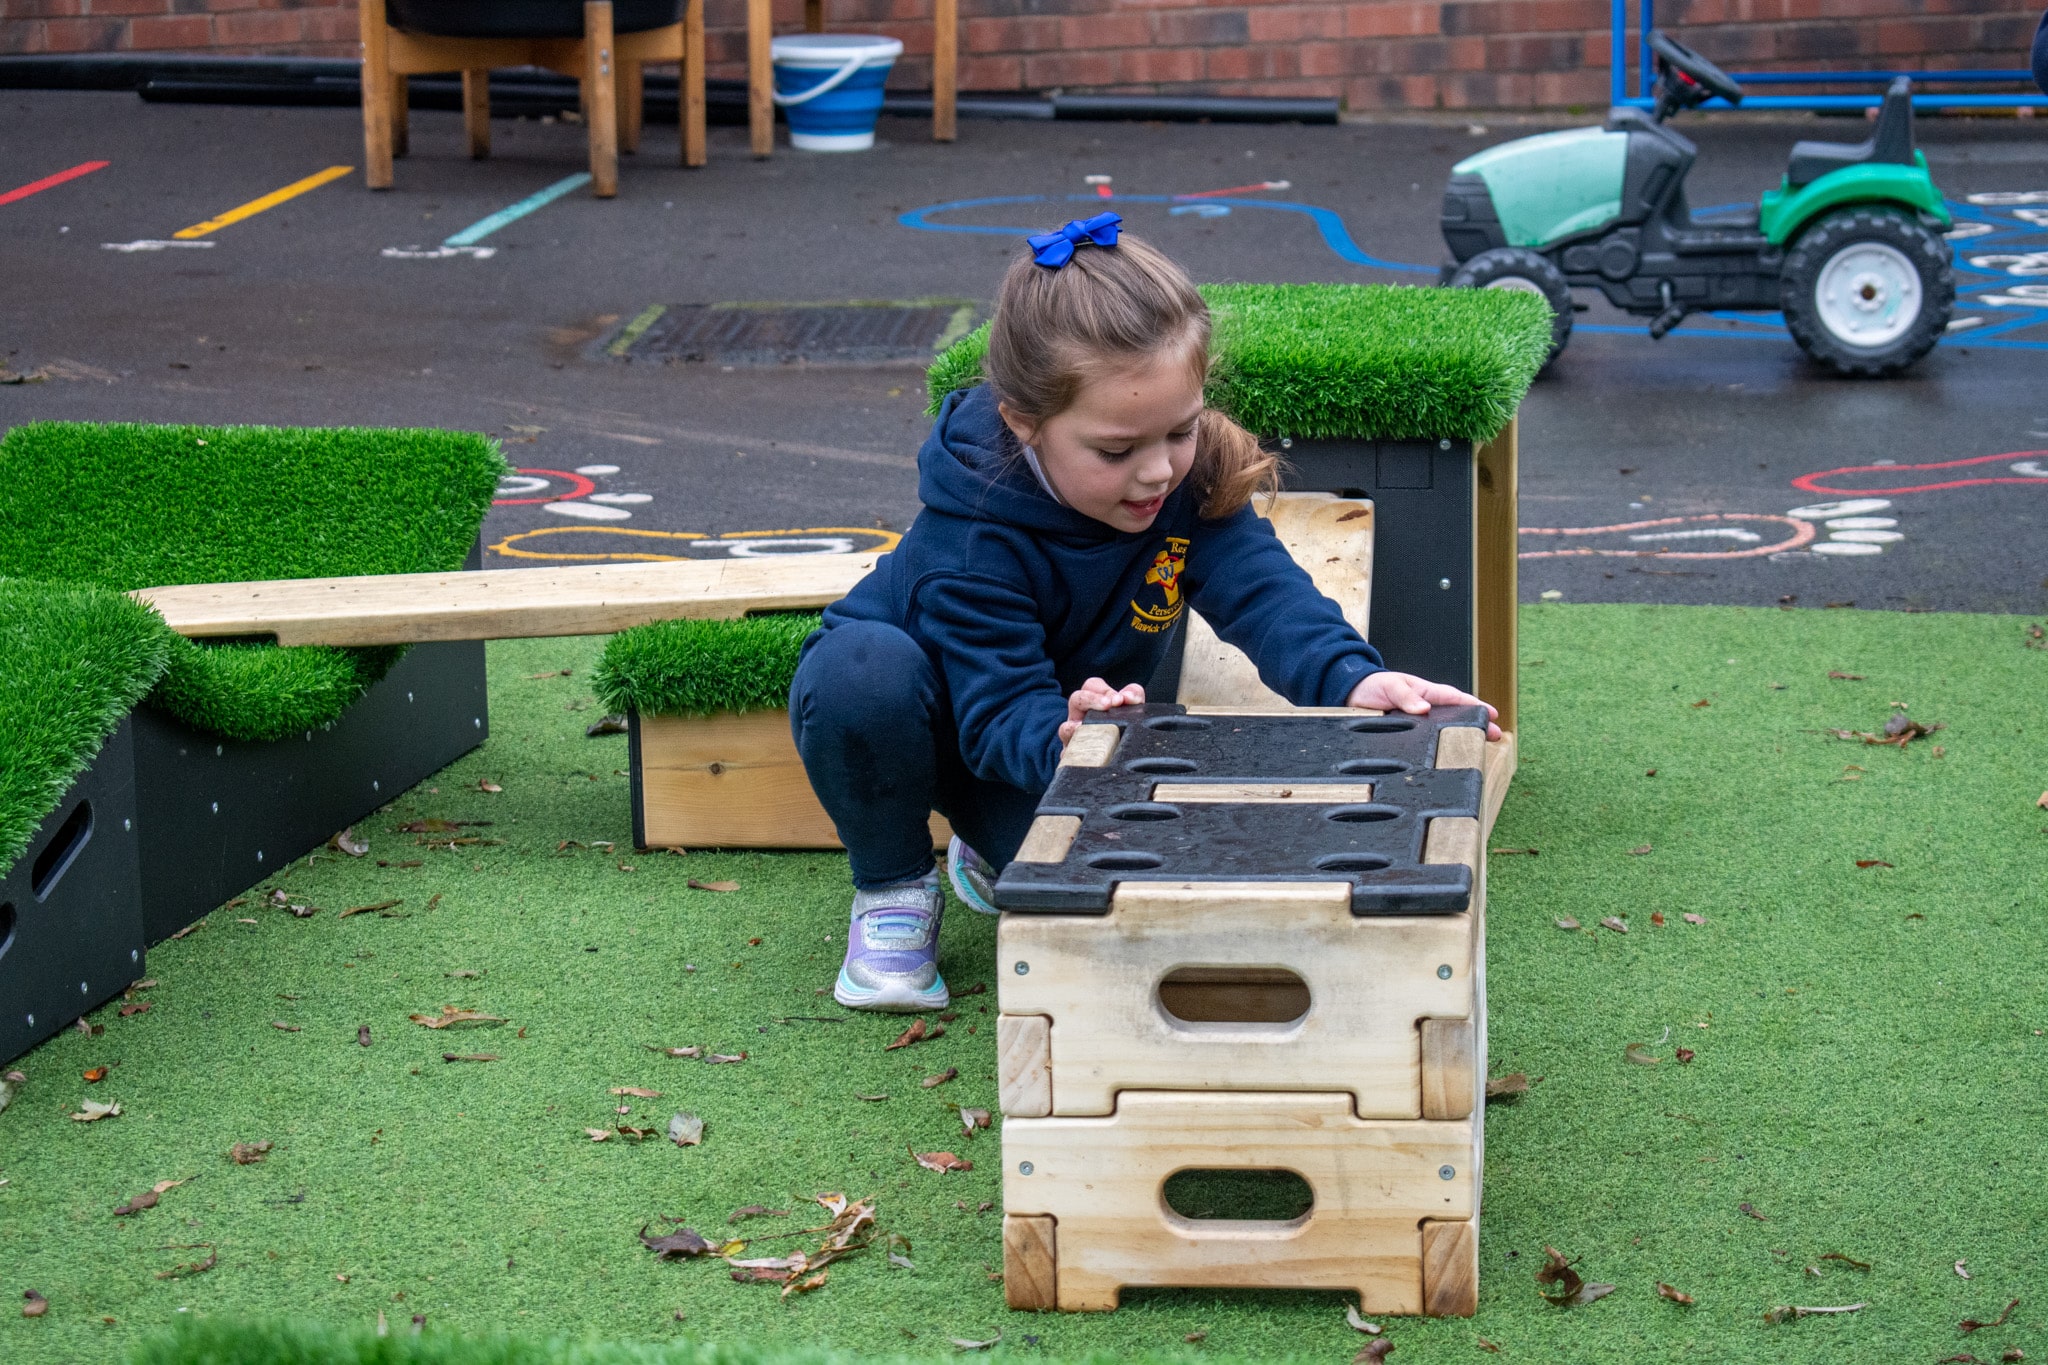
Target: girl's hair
[(1105, 310)]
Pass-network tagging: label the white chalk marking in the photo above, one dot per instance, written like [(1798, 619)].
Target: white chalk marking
[(585, 511), (1964, 231), (428, 253), (2004, 198), (519, 485), (2033, 469), (1862, 523), (597, 469), (147, 244), (1714, 533), (1965, 323), (2016, 296), (1867, 537), (784, 545), (2014, 262), (1839, 547), (622, 499), (1854, 507)]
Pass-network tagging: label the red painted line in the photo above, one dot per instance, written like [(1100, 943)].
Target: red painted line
[(583, 488), (1812, 483), (48, 181), (1216, 194)]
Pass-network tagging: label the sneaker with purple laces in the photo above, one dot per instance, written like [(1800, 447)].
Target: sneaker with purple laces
[(974, 881), (892, 950)]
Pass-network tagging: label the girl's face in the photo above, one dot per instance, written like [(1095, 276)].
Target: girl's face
[(1127, 441)]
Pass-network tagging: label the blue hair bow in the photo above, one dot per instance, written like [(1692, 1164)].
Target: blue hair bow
[(1054, 249)]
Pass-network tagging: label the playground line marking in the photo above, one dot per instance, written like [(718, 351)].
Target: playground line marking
[(268, 201), (464, 243), (51, 181)]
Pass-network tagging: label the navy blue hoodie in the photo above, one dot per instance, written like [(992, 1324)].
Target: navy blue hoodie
[(1018, 599)]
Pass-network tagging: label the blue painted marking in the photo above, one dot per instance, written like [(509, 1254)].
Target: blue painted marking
[(1199, 211), (484, 227)]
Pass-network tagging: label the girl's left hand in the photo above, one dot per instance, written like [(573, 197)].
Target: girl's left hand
[(1390, 691), (1097, 695)]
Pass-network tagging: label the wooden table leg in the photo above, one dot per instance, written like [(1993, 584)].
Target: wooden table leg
[(401, 117), (376, 83), (760, 76), (945, 68), (692, 82), (814, 16), (601, 98), (630, 106), (476, 110)]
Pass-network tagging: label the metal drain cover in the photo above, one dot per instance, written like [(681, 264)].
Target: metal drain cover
[(786, 334)]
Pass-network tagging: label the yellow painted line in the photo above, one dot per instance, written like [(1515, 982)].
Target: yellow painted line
[(268, 201)]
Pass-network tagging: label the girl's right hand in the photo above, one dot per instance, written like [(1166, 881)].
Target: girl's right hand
[(1097, 695)]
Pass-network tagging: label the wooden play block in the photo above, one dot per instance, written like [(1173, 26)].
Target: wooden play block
[(1329, 536), (504, 604), (1392, 1221), (728, 780), (1251, 986)]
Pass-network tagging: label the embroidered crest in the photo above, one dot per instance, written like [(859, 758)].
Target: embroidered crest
[(1165, 575)]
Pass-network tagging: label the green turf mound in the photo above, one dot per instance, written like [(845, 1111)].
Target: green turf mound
[(692, 668), (128, 506), (73, 662), (1349, 360)]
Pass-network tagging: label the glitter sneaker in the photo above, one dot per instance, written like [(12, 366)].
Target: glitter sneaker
[(892, 950), (974, 881)]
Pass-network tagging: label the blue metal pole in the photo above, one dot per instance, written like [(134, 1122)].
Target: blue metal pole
[(1649, 76), (1617, 53)]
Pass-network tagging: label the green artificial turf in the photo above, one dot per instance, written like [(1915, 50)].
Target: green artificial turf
[(1870, 1080), (692, 668), (73, 662), (130, 506), (1351, 361)]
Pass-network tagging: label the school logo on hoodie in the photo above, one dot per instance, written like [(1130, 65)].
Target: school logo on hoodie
[(1165, 576)]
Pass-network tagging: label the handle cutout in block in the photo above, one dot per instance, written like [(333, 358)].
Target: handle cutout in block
[(1234, 995), (1280, 1198)]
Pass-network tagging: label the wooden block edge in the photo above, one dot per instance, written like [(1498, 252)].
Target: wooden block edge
[(1450, 1268), (1030, 1262)]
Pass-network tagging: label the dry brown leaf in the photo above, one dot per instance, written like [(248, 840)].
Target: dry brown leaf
[(756, 1211), (675, 1051), (249, 1153), (1657, 918), (2042, 804), (872, 1099), (637, 1091), (1193, 1337), (347, 842), (681, 1245), (627, 1130), (484, 784), (1750, 1209), (33, 1305), (1686, 1054), (450, 1016), (1972, 1325), (379, 907), (686, 1130), (696, 885), (146, 1200), (1854, 1264), (363, 1036), (1791, 1312), (941, 1161), (971, 1119), (95, 1075), (948, 1074), (1701, 702), (1507, 1087), (965, 1344), (723, 1058), (1840, 676), (1639, 850), (92, 1111), (1665, 1291), (1691, 918), (139, 1007), (599, 1134), (180, 1272), (1872, 862), (1483, 1344), (283, 1027), (1614, 922), (1358, 1322), (471, 1057), (1567, 923), (917, 1031), (1375, 1351)]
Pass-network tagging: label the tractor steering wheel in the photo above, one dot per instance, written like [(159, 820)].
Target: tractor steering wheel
[(1690, 66)]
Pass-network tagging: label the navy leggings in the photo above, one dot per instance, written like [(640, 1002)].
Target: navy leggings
[(878, 741)]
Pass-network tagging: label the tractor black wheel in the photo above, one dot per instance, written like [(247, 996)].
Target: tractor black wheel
[(1867, 290), (1517, 267)]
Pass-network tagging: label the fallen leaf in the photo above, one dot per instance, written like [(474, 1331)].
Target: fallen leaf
[(1639, 850), (637, 1091), (1840, 676), (1507, 1087), (558, 673), (463, 972), (599, 1134), (450, 1016), (1686, 1054), (805, 1286), (756, 1211), (92, 1111), (1872, 862), (627, 1130), (1374, 1352), (1657, 918), (915, 1033), (1511, 852), (609, 725), (1972, 1325), (872, 1099), (363, 1036), (1194, 1337), (1691, 918), (191, 928), (2042, 803), (1750, 1209), (681, 1245), (1665, 1291), (283, 1027), (1701, 702), (1854, 1264), (963, 1344), (348, 842), (696, 885), (971, 1119), (471, 1057), (686, 1130), (1358, 1323), (436, 825), (948, 1074), (180, 1272), (1611, 922), (898, 1248), (146, 1200), (675, 1051), (2012, 1353), (139, 1007), (33, 1305), (1570, 1287), (1962, 1269), (941, 1161), (1567, 923), (1483, 1344), (1639, 1053), (1789, 1312), (371, 909), (484, 784), (976, 989), (96, 1075), (723, 1058), (249, 1153)]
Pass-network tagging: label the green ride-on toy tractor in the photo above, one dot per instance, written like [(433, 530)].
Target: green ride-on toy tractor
[(1848, 246)]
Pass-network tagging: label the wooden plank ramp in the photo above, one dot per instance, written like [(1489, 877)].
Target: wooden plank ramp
[(504, 604)]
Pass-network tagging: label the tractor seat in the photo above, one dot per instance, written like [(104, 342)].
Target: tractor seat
[(1890, 143)]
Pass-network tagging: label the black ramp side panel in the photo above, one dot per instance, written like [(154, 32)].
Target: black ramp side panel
[(71, 933), (1422, 540), (1128, 833), (216, 815)]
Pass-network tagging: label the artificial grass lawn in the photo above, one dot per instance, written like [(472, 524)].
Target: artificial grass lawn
[(73, 662), (1349, 360), (1870, 1081), (128, 506), (692, 668)]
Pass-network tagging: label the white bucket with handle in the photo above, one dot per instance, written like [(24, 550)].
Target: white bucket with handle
[(830, 86)]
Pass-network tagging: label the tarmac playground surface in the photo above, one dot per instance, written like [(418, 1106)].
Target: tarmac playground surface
[(467, 297)]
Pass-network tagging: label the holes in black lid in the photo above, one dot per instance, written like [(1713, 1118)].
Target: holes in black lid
[(1372, 767), (1380, 725), (1162, 765), (1351, 862), (1176, 723), (1362, 815), (1126, 860), (1143, 810)]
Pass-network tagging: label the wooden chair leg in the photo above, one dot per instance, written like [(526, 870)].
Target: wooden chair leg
[(945, 68), (691, 75), (376, 83), (401, 117), (630, 106), (600, 98), (476, 111), (814, 16), (760, 76)]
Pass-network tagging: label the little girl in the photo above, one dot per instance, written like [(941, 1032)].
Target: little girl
[(1075, 504)]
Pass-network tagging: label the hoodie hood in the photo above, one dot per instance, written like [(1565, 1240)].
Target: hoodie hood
[(971, 467)]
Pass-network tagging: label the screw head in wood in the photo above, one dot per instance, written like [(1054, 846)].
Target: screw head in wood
[(1446, 1172), (1023, 969), (1023, 1168), (1443, 973), (1444, 444), (1444, 583)]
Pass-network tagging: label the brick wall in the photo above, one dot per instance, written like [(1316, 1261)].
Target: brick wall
[(1372, 54)]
